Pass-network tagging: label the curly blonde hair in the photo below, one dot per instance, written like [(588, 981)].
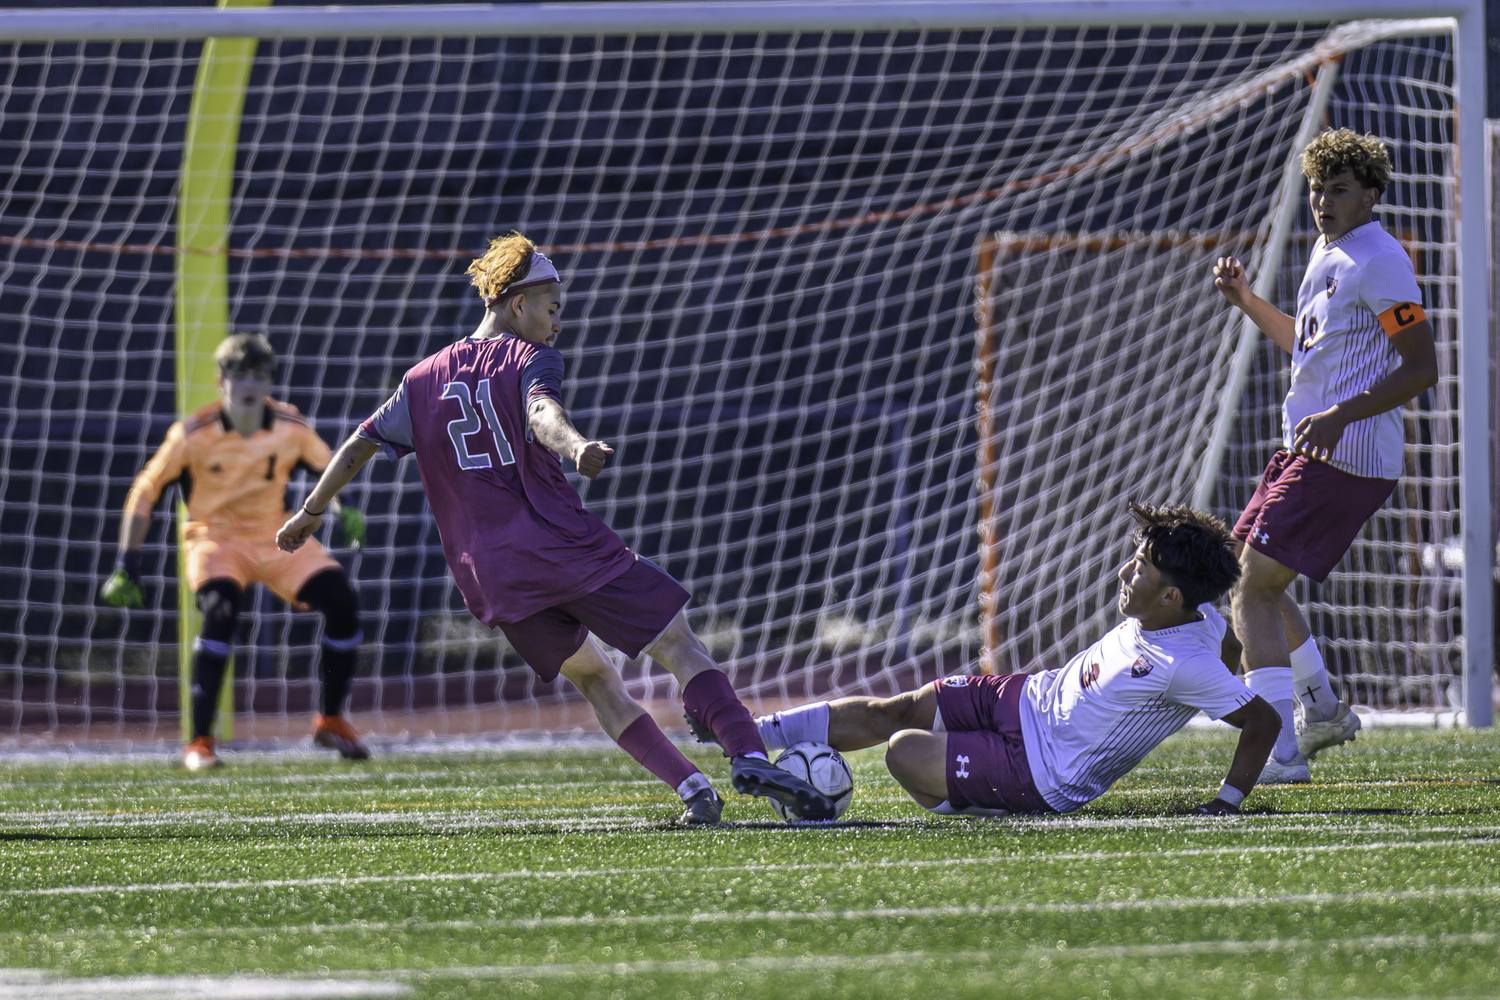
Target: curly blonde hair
[(1337, 150), (507, 262)]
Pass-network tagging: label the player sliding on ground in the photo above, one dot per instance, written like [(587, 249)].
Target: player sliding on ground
[(232, 461), (1050, 742), (1361, 348), (485, 420)]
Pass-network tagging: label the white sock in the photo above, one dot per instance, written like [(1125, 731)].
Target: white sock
[(1310, 680), (803, 724), (692, 785), (1274, 684)]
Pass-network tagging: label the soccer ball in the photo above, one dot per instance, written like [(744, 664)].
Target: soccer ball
[(820, 766)]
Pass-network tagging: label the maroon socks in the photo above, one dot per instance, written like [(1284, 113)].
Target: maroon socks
[(710, 698), (644, 740)]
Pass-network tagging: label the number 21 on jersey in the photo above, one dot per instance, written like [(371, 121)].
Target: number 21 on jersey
[(469, 423)]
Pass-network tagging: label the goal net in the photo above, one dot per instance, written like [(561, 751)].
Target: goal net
[(885, 327)]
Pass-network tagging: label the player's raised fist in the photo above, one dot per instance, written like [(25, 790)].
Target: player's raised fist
[(591, 457), (298, 528), (1229, 279)]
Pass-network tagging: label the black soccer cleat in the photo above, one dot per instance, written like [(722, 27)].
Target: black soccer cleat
[(753, 776), (700, 732), (704, 807)]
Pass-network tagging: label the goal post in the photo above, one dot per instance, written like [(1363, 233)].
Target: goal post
[(830, 267)]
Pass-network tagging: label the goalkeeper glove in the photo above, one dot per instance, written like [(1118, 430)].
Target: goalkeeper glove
[(352, 524), (1218, 807), (123, 588)]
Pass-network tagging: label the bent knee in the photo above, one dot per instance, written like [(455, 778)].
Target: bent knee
[(589, 667), (679, 637), (907, 748)]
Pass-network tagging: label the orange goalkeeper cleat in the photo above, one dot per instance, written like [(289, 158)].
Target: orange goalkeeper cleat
[(333, 732), (199, 755)]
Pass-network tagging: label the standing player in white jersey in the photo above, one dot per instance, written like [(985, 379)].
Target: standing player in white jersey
[(1050, 742), (1361, 348)]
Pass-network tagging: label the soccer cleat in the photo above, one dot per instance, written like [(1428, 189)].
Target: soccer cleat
[(1292, 772), (199, 754), (1315, 736), (333, 732), (753, 776), (704, 807)]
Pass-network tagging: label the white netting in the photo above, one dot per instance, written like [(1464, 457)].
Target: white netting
[(775, 249)]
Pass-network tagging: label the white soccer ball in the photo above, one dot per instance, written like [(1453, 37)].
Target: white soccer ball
[(821, 766)]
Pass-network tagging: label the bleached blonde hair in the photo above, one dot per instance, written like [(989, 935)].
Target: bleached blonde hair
[(507, 262)]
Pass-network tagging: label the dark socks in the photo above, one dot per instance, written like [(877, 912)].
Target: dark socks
[(644, 740), (208, 678), (710, 698), (338, 673)]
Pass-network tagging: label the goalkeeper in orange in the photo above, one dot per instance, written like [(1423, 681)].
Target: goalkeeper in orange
[(232, 461)]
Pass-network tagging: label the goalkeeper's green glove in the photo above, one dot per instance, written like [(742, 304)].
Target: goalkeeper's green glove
[(123, 588), (352, 524)]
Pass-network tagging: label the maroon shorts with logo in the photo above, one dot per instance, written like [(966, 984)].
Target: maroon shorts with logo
[(629, 612), (1305, 514), (987, 765)]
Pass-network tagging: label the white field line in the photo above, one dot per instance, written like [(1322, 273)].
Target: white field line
[(818, 963), (605, 816), (718, 917), (680, 870), (896, 912), (626, 822), (36, 984)]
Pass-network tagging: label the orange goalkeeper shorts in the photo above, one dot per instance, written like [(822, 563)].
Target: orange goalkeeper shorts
[(207, 556)]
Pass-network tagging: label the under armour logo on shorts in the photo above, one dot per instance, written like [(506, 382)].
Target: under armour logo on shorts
[(963, 766), (1262, 537)]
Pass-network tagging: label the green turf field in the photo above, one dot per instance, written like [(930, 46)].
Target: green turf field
[(560, 874)]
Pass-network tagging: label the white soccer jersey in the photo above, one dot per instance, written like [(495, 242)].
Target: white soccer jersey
[(1357, 292), (1087, 724)]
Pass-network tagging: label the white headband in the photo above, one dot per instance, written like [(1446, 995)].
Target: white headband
[(542, 271)]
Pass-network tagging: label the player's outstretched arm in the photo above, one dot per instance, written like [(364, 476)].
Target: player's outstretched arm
[(123, 588), (1229, 279), (350, 458), (550, 423), (1259, 724)]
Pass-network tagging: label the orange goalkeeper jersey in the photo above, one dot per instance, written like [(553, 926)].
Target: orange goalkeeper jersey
[(233, 485)]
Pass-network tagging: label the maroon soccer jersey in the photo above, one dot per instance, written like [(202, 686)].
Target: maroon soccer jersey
[(516, 534)]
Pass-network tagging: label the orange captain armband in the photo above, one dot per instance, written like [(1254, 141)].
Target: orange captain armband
[(1401, 316)]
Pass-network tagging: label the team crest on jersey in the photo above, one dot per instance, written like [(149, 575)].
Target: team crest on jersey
[(955, 682), (1088, 673), (1333, 284), (1140, 668)]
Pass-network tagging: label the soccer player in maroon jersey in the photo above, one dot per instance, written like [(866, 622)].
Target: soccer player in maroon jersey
[(485, 420)]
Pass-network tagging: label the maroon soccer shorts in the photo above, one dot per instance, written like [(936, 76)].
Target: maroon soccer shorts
[(1305, 514), (629, 613), (987, 765)]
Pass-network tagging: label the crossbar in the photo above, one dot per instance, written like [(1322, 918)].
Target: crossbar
[(684, 16)]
